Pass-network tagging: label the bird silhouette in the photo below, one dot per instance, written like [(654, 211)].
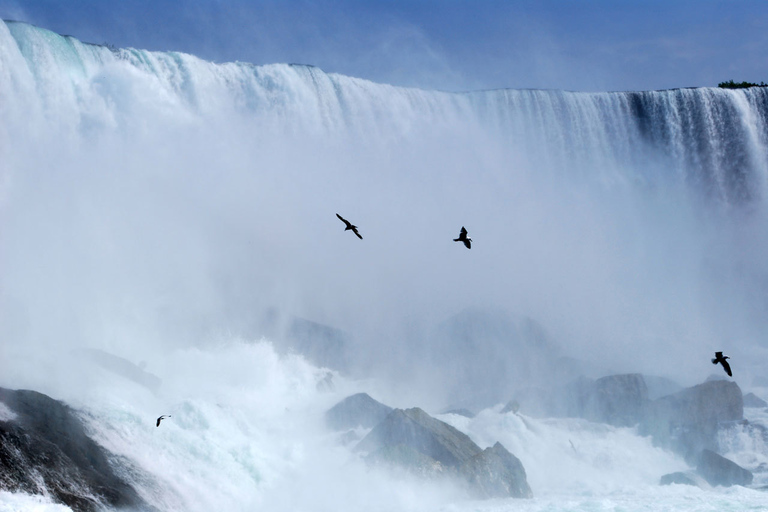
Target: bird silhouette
[(464, 238), (350, 226), (720, 358), (161, 418)]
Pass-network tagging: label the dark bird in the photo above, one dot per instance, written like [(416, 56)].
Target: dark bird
[(463, 238), (161, 418), (350, 226), (720, 358)]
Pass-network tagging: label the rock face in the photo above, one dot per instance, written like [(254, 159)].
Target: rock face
[(418, 430), (122, 367), (677, 478), (618, 400), (506, 350), (752, 400), (413, 439), (496, 473), (687, 422), (358, 410), (322, 345), (718, 470), (44, 450)]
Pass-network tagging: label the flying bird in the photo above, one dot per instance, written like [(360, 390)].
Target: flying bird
[(161, 418), (464, 238), (350, 226), (720, 358)]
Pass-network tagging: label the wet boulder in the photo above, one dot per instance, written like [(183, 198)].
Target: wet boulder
[(717, 470), (426, 446), (688, 421), (44, 449), (752, 400), (496, 473), (425, 434), (618, 400), (359, 410), (679, 477)]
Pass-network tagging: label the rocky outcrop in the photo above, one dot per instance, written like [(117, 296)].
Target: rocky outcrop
[(507, 350), (44, 450), (678, 478), (122, 367), (429, 447), (322, 345), (425, 434), (496, 473), (752, 400), (660, 386), (717, 470), (687, 422), (358, 410), (618, 400)]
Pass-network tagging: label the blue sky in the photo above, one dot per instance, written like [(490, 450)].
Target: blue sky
[(450, 44)]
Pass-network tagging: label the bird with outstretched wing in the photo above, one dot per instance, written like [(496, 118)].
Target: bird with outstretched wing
[(720, 358), (350, 226), (464, 238)]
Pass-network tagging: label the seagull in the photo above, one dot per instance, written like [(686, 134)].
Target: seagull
[(463, 238), (350, 226), (720, 358), (161, 418)]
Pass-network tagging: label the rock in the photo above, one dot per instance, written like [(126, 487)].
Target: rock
[(496, 473), (121, 366), (660, 386), (408, 458), (427, 435), (618, 400), (539, 402), (512, 406), (44, 450), (717, 470), (429, 447), (677, 478), (325, 383), (507, 350), (322, 345), (688, 421), (752, 400), (358, 410)]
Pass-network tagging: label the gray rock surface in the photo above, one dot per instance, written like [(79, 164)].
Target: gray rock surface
[(413, 440), (688, 421), (717, 470), (752, 400), (425, 434), (44, 449), (678, 478), (359, 410), (618, 400), (496, 473)]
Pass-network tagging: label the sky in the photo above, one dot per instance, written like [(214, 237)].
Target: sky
[(600, 45)]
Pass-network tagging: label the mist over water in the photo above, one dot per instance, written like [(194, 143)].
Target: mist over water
[(161, 208)]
